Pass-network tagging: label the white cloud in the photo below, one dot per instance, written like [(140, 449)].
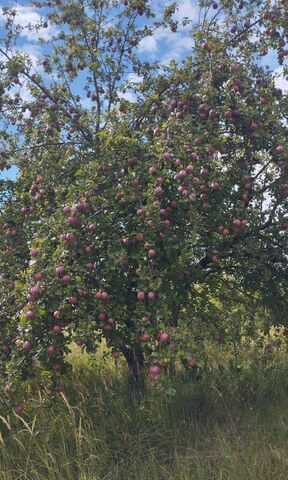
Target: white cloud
[(26, 16), (34, 53), (280, 80), (174, 45), (181, 45), (148, 44), (187, 8), (129, 96), (166, 45)]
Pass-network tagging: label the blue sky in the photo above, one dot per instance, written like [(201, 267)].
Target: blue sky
[(163, 46)]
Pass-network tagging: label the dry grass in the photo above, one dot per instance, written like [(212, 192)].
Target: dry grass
[(232, 424)]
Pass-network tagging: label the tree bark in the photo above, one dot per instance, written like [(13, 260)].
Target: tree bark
[(135, 362)]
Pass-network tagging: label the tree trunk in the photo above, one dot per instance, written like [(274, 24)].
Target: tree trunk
[(135, 361)]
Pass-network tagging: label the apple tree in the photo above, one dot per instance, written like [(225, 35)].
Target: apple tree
[(127, 215)]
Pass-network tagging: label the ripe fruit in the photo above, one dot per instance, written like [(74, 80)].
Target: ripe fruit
[(92, 227), (60, 271), (155, 371), (108, 328), (19, 409), (145, 337), (27, 346), (102, 317), (74, 222), (164, 337), (141, 296), (73, 300), (140, 237), (237, 222), (163, 212), (57, 328), (215, 185), (192, 362), (158, 191), (66, 278), (153, 170), (39, 276), (151, 296), (90, 266), (279, 149), (167, 156)]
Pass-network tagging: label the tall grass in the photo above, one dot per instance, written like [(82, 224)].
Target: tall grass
[(232, 423)]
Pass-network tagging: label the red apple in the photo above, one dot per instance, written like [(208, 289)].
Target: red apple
[(39, 276), (153, 170), (140, 237), (66, 278), (164, 337), (141, 296), (73, 300), (74, 221), (155, 371), (51, 350), (192, 362), (19, 409), (90, 266), (145, 337), (279, 149), (60, 271), (27, 346), (92, 227), (158, 191)]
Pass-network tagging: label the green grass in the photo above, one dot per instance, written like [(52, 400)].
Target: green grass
[(229, 425)]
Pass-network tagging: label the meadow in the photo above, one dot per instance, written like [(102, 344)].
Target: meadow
[(229, 422)]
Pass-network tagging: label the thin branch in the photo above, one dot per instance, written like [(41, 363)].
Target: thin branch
[(217, 13)]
